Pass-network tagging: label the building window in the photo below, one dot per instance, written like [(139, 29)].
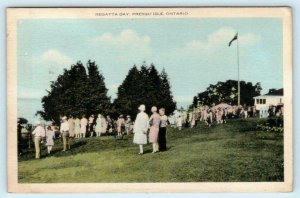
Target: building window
[(264, 101), (257, 101), (260, 101)]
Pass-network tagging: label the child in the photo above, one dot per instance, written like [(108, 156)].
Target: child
[(50, 139)]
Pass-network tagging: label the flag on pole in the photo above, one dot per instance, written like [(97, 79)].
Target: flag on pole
[(234, 38)]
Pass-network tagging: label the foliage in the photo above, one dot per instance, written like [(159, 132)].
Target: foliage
[(22, 121), (227, 92), (272, 124), (75, 93), (145, 86), (231, 152)]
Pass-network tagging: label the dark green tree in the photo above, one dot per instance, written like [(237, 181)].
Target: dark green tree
[(128, 93), (166, 96), (145, 86), (227, 92), (76, 93), (97, 100)]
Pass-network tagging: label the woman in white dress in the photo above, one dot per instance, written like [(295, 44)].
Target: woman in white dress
[(100, 124), (49, 139), (83, 125), (140, 128), (77, 128)]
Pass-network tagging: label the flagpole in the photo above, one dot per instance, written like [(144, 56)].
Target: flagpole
[(238, 64)]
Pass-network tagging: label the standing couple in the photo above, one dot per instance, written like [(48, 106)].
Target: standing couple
[(157, 134)]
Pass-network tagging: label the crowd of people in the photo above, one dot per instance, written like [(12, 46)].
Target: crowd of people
[(217, 115), (75, 128), (71, 127), (91, 126)]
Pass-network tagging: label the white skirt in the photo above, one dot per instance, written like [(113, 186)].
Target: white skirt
[(140, 138)]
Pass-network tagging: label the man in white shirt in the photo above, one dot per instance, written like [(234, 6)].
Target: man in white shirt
[(64, 130), (38, 133)]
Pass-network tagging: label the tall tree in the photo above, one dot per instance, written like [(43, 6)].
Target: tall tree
[(97, 100), (127, 92), (144, 86), (166, 96), (76, 93)]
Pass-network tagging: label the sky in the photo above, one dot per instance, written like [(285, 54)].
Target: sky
[(194, 52)]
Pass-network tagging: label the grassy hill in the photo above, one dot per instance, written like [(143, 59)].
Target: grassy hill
[(235, 151)]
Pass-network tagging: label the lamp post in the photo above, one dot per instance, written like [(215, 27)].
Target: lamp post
[(236, 37)]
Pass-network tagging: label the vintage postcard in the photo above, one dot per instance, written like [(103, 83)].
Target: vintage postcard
[(149, 99)]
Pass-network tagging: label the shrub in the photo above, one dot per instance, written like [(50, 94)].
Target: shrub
[(272, 124)]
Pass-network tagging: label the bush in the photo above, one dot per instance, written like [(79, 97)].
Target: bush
[(272, 124)]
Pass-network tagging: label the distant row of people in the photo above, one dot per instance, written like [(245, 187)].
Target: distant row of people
[(270, 111), (80, 128), (210, 115)]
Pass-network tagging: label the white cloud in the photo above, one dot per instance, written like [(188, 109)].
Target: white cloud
[(221, 38), (124, 38), (54, 55), (32, 81), (126, 45)]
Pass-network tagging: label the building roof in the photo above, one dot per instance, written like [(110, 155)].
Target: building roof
[(275, 92), (272, 93)]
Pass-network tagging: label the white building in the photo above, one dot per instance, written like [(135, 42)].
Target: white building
[(273, 98)]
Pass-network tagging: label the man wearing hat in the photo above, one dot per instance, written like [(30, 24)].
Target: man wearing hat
[(38, 133), (64, 130), (120, 125)]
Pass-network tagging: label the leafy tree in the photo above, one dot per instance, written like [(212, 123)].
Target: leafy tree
[(76, 93), (145, 86), (165, 95), (97, 100), (127, 93), (227, 92)]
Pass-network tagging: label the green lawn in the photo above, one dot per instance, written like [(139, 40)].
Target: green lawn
[(235, 151)]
